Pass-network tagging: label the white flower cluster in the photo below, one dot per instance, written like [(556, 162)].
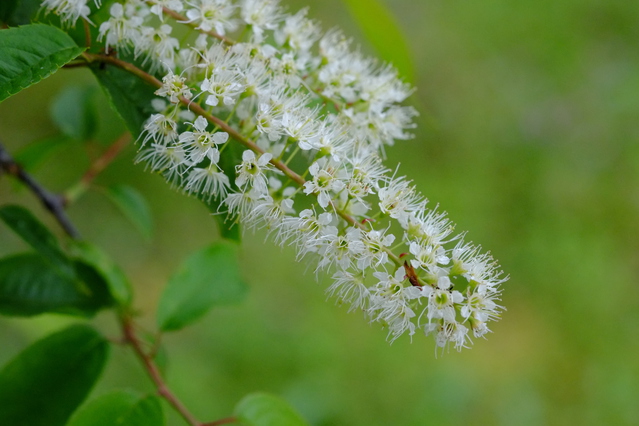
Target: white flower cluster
[(69, 11), (301, 100)]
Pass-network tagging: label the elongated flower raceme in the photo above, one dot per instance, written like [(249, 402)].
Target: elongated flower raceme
[(313, 117)]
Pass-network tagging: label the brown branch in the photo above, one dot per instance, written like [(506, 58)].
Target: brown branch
[(87, 34), (54, 203), (98, 166), (154, 372), (106, 158)]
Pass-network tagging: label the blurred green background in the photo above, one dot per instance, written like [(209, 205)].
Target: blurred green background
[(529, 139)]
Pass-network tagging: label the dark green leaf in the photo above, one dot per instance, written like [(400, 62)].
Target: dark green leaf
[(262, 409), (129, 96), (30, 285), (45, 383), (37, 235), (36, 153), (7, 9), (74, 113), (146, 412), (94, 285), (134, 207), (120, 408), (208, 278), (31, 53), (18, 12), (119, 285), (382, 30), (105, 410)]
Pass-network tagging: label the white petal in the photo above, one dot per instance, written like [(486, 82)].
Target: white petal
[(264, 159), (220, 137), (248, 155)]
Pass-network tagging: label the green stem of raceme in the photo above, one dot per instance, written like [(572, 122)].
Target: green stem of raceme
[(97, 167), (197, 109)]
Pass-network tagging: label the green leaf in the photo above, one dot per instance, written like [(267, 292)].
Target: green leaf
[(7, 9), (208, 278), (129, 95), (119, 285), (32, 156), (30, 285), (134, 207), (384, 33), (31, 53), (262, 409), (120, 408), (105, 410), (37, 235), (18, 12), (44, 384), (74, 113), (146, 412)]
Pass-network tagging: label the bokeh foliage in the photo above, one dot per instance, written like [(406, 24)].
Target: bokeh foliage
[(529, 140)]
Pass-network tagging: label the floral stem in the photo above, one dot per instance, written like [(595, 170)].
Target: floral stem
[(87, 34)]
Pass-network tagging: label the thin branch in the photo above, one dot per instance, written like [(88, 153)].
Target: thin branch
[(54, 203), (87, 33), (98, 166), (154, 372)]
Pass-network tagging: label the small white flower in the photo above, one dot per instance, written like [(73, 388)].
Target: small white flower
[(69, 11), (325, 182), (161, 129), (298, 32), (442, 301), (201, 144), (261, 15), (427, 256), (119, 30), (252, 170), (158, 5), (340, 249), (375, 252), (223, 87), (208, 181), (349, 288), (399, 199), (390, 303), (174, 87), (212, 15)]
